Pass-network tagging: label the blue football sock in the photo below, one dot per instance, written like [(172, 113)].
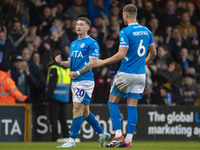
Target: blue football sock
[(75, 127), (115, 115), (132, 119), (94, 123)]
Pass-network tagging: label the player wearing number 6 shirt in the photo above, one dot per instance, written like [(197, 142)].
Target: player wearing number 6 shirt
[(129, 81), (83, 52)]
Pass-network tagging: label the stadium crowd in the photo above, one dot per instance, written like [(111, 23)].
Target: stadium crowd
[(30, 30)]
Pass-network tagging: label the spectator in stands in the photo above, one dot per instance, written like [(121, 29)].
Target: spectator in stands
[(115, 10), (35, 10), (173, 76), (100, 24), (180, 7), (71, 29), (197, 12), (67, 23), (93, 33), (17, 38), (63, 42), (114, 25), (147, 12), (36, 59), (32, 47), (98, 7), (8, 12), (16, 69), (195, 52), (99, 37), (163, 57), (109, 49), (175, 42), (190, 70), (5, 49), (169, 18), (27, 56), (34, 71), (184, 58), (168, 34), (187, 30), (22, 76), (58, 39), (77, 9), (58, 11), (46, 22), (195, 44), (190, 90), (9, 91), (154, 27), (33, 37), (190, 7), (165, 95)]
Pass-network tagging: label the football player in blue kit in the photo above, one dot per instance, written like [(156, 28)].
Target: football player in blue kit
[(129, 81), (83, 52)]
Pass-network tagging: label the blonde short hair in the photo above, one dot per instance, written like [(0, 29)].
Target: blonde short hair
[(131, 10)]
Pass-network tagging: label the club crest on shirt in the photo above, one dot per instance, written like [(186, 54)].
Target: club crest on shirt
[(82, 45)]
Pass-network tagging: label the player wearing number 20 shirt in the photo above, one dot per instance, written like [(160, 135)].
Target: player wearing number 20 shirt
[(130, 79), (80, 52)]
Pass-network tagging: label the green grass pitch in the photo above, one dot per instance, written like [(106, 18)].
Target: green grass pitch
[(137, 145)]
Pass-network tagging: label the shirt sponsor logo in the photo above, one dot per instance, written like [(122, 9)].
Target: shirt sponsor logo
[(76, 54)]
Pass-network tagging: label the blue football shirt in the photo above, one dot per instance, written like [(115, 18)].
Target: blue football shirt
[(137, 38), (80, 52)]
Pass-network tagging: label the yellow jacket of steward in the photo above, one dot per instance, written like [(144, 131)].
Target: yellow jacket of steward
[(58, 83)]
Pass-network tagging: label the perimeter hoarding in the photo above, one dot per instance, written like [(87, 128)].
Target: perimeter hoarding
[(15, 123), (154, 123)]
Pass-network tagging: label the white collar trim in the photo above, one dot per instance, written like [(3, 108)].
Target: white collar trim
[(133, 23)]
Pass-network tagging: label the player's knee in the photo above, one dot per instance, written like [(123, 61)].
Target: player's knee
[(77, 112), (86, 114), (113, 101)]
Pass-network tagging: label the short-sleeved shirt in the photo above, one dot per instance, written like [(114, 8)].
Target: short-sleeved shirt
[(80, 52), (137, 38)]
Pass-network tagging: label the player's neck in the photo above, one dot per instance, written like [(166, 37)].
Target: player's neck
[(130, 21), (81, 36)]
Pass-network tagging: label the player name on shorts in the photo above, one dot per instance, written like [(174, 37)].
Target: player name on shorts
[(137, 33)]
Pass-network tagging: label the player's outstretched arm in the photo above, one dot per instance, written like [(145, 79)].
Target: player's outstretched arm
[(66, 64), (152, 54), (121, 54), (85, 69)]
